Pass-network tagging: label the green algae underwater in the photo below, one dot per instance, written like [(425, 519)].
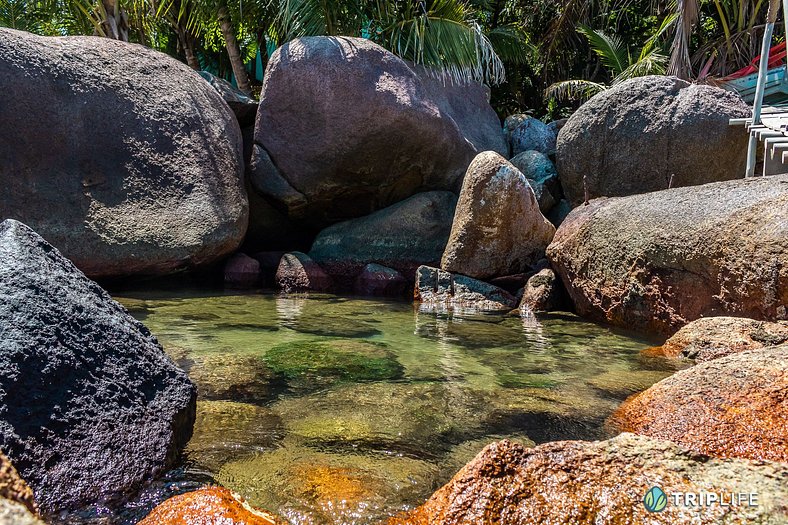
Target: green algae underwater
[(336, 410)]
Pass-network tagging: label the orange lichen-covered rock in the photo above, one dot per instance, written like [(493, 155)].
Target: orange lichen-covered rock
[(734, 406), (13, 487), (585, 483), (208, 506), (713, 337)]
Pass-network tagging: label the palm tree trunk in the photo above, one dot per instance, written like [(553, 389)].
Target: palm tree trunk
[(187, 44), (233, 50), (115, 24)]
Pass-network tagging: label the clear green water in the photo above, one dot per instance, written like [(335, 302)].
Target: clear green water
[(345, 411)]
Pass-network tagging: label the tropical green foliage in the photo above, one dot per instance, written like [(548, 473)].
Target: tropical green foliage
[(520, 47)]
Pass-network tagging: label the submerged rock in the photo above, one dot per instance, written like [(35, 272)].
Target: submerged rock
[(644, 133), (315, 486), (297, 272), (498, 228), (658, 261), (708, 338), (84, 387), (586, 483), (403, 237), (308, 364), (349, 128), (225, 430), (120, 156), (441, 288), (212, 505), (733, 406)]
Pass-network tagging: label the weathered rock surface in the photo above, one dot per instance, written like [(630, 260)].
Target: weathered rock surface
[(244, 106), (580, 482), (12, 487), (636, 136), (709, 338), (297, 272), (542, 176), (122, 157), (441, 288), (241, 271), (209, 506), (91, 405), (734, 406), (12, 513), (543, 292), (403, 236), (660, 260), (525, 133), (498, 228), (346, 128), (375, 279)]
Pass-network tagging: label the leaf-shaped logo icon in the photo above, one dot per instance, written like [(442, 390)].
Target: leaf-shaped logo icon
[(655, 500)]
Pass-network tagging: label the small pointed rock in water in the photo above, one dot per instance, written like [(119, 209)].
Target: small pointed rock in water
[(209, 506)]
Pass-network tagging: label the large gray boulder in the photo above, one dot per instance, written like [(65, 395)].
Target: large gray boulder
[(90, 406), (657, 261), (122, 157), (346, 128), (498, 229), (403, 236), (636, 136)]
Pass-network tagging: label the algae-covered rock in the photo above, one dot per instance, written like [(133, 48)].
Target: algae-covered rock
[(314, 487), (308, 363)]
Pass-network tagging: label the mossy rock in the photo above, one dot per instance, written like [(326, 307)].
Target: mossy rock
[(345, 360)]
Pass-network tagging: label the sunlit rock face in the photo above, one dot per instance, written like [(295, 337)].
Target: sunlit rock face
[(582, 482), (122, 157), (657, 261), (92, 407), (648, 134), (345, 128), (733, 406)]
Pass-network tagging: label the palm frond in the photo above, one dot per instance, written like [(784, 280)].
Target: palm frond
[(574, 90), (609, 48), (511, 43), (680, 62), (653, 63)]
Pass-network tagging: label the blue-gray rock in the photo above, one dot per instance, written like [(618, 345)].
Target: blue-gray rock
[(634, 137), (351, 128), (120, 156), (525, 133), (244, 106), (542, 176), (90, 406)]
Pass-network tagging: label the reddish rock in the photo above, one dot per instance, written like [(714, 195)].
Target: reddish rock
[(543, 292), (297, 272), (13, 487), (498, 228), (734, 406), (711, 337), (655, 262), (590, 483), (241, 271), (379, 280), (209, 506)]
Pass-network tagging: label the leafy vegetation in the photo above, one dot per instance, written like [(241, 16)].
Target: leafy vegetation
[(537, 55)]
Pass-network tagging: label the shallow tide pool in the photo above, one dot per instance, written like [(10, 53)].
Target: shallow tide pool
[(337, 410)]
